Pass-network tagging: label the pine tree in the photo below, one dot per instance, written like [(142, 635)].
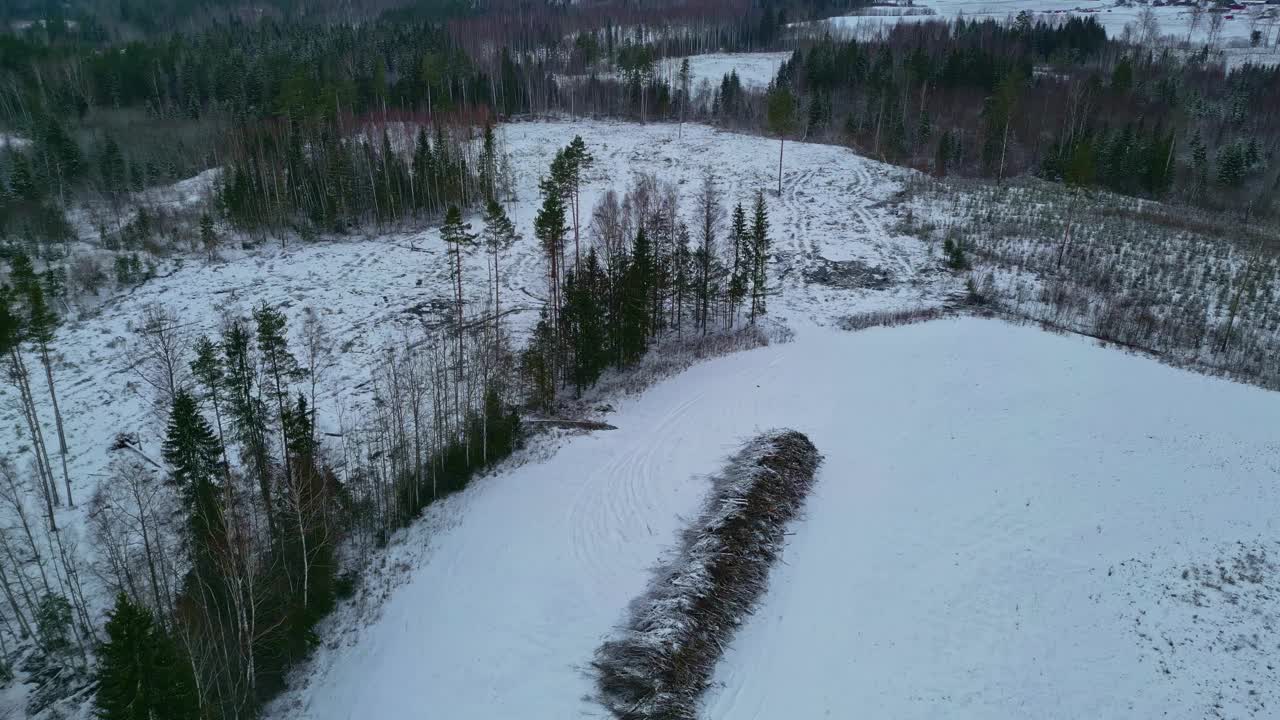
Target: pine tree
[(578, 159), (457, 235), (141, 674), (549, 228), (780, 113), (499, 234)]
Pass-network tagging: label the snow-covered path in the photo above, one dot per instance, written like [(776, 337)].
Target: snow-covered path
[(962, 556)]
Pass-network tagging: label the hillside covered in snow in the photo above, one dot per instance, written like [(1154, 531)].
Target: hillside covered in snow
[(669, 361)]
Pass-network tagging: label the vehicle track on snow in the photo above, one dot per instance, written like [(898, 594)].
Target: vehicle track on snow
[(609, 507), (606, 507)]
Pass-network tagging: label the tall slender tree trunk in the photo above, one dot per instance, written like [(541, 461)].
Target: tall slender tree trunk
[(782, 141), (457, 400), (497, 309), (57, 418), (20, 375), (1004, 146)]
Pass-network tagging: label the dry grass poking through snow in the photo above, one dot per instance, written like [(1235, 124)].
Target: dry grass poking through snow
[(1192, 289), (664, 657)]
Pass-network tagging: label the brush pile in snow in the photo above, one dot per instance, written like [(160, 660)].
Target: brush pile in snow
[(677, 630)]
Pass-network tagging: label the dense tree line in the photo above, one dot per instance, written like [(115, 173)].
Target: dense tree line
[(1057, 99), (319, 177)]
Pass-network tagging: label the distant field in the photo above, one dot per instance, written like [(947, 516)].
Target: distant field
[(1173, 19)]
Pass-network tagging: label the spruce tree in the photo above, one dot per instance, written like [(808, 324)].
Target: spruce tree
[(538, 365), (488, 171), (244, 405), (192, 453), (759, 256), (943, 155), (141, 674), (635, 307), (584, 321), (208, 238), (1231, 166), (740, 266)]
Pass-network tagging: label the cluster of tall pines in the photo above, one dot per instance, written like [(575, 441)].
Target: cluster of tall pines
[(642, 269)]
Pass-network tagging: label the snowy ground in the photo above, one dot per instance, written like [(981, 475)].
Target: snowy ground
[(1173, 19), (755, 70), (16, 142), (964, 555)]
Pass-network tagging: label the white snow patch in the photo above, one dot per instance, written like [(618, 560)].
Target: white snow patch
[(981, 483), (1173, 20), (16, 142)]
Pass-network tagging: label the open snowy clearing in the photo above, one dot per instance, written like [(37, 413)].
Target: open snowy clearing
[(997, 515), (755, 70), (1173, 20)]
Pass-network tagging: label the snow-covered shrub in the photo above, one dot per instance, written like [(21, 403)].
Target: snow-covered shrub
[(663, 658)]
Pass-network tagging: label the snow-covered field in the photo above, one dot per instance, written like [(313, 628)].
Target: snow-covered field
[(1173, 20), (969, 550), (755, 70)]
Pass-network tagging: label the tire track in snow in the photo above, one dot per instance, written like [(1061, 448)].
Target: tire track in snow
[(605, 511), (609, 508)]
